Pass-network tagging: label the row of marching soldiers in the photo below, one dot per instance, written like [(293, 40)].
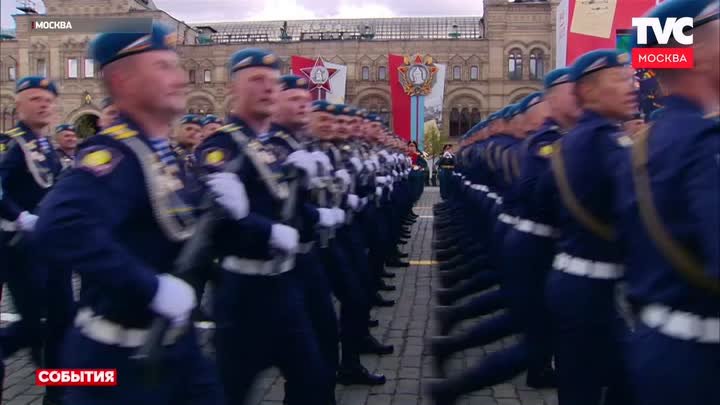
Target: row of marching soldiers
[(288, 204), (599, 248)]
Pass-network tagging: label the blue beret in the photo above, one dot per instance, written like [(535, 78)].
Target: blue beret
[(510, 111), (64, 127), (597, 60), (253, 57), (529, 101), (191, 119), (375, 118), (701, 11), (111, 46), (557, 77), (324, 106), (346, 110), (106, 102), (35, 82), (289, 82), (211, 119), (361, 112)]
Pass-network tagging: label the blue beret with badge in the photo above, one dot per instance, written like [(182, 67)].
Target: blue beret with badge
[(106, 102), (595, 61), (253, 57), (35, 82), (558, 77), (289, 82), (211, 119), (64, 127), (111, 46), (701, 11), (191, 119)]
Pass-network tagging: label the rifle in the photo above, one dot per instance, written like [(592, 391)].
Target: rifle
[(195, 254)]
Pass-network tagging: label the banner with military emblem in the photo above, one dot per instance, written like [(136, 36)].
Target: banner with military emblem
[(417, 86), (326, 79)]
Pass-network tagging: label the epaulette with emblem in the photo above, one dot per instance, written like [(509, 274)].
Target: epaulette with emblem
[(99, 160), (119, 132)]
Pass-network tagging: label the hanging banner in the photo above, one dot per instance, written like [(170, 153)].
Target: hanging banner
[(434, 100), (327, 79), (400, 100)]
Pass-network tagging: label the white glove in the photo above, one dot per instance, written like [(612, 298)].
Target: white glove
[(174, 299), (26, 221), (381, 179), (327, 217), (378, 191), (323, 160), (343, 175), (353, 201), (303, 161), (339, 215), (357, 164), (284, 238), (395, 173), (390, 187), (230, 192), (363, 203)]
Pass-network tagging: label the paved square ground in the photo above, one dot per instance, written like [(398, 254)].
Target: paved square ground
[(407, 325)]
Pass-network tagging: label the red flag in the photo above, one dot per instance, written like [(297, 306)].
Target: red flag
[(400, 100)]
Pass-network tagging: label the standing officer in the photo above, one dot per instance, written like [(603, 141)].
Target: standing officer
[(27, 171), (124, 254), (259, 304), (67, 141), (669, 226), (588, 331), (445, 166)]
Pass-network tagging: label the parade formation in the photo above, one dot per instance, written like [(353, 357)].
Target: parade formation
[(591, 236)]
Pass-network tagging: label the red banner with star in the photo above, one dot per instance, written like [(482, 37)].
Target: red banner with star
[(400, 100), (327, 80)]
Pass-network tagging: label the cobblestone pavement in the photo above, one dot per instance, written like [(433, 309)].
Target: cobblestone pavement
[(407, 325)]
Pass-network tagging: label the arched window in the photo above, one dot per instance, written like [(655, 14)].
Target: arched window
[(382, 73), (537, 64), (454, 122), (515, 62), (474, 73), (457, 72), (191, 75), (366, 73), (207, 76)]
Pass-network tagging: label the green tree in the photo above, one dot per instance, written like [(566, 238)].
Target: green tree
[(434, 140)]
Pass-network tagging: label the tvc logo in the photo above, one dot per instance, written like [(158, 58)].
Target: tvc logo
[(658, 57)]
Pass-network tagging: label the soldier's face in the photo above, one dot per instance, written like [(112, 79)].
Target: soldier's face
[(343, 126), (322, 124), (209, 129), (67, 140), (35, 106), (255, 91), (108, 115), (159, 83), (614, 93), (189, 134), (293, 108)]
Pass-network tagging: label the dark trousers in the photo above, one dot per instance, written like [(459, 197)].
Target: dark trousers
[(263, 322)]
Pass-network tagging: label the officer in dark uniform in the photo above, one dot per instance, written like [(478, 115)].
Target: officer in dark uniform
[(67, 141), (123, 254), (445, 166), (588, 331), (669, 225), (28, 170), (259, 305), (187, 136)]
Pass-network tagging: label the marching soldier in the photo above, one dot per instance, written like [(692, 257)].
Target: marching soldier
[(445, 166), (124, 254), (668, 223), (259, 304), (67, 141), (28, 170), (587, 329)]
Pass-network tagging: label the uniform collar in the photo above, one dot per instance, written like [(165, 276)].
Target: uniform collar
[(243, 125)]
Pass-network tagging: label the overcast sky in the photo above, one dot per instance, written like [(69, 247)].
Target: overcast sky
[(238, 10)]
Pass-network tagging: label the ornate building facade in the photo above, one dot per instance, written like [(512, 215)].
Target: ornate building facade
[(491, 60)]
